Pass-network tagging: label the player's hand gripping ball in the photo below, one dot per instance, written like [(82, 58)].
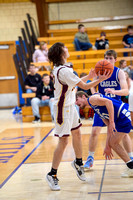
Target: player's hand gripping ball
[(103, 65)]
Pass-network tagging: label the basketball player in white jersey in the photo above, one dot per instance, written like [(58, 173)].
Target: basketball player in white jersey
[(65, 114)]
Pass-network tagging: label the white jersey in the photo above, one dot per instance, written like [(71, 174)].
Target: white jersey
[(64, 83)]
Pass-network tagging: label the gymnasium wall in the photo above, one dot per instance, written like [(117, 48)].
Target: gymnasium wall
[(13, 14), (90, 9), (11, 19)]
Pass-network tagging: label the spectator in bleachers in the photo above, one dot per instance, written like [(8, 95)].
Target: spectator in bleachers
[(44, 97), (90, 110), (41, 54), (124, 67), (81, 40), (31, 82), (128, 39), (102, 42)]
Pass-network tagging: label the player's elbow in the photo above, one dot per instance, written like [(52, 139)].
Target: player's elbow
[(126, 92)]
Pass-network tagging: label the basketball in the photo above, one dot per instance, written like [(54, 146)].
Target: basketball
[(103, 65)]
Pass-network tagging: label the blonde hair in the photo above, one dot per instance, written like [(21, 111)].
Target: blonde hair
[(81, 93), (41, 44)]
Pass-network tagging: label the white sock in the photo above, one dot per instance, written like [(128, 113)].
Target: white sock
[(130, 154), (129, 161), (91, 153)]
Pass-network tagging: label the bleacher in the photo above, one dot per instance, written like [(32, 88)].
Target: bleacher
[(82, 61)]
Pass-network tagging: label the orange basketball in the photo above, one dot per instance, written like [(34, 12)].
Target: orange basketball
[(103, 65)]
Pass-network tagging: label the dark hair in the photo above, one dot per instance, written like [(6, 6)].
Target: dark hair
[(129, 27), (111, 53), (55, 54), (81, 93), (44, 75), (121, 62), (103, 34), (31, 65), (80, 26), (83, 74)]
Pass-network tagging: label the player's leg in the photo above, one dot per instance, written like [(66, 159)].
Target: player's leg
[(127, 143), (92, 146), (62, 130), (114, 142), (52, 175), (77, 164), (97, 125), (35, 103)]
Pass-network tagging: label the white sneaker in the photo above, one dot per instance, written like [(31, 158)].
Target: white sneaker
[(128, 173), (53, 182), (79, 171), (94, 48)]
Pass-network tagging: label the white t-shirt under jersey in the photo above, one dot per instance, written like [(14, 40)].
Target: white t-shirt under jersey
[(64, 83)]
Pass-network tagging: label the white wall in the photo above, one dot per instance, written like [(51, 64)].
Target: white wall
[(90, 9), (13, 14)]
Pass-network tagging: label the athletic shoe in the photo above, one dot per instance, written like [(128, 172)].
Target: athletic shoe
[(89, 162), (79, 171), (94, 48), (128, 173), (36, 120), (53, 182)]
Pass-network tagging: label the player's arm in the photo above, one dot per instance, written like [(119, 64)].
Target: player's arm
[(89, 76), (130, 101), (101, 101), (125, 44), (93, 89), (131, 113), (99, 79), (123, 83)]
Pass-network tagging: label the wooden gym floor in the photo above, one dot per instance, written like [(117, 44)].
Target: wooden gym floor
[(26, 152)]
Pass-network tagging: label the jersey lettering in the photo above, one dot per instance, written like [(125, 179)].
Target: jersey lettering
[(108, 84), (102, 115), (110, 95), (126, 113)]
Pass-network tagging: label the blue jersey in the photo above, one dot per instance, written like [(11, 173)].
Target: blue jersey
[(112, 83), (121, 114)]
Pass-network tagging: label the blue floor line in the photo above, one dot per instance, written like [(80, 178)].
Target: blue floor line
[(1, 185), (110, 192), (101, 185)]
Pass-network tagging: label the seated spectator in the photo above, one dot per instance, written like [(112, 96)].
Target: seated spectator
[(41, 54), (31, 82), (87, 91), (44, 97), (128, 39), (81, 40), (102, 42), (124, 67)]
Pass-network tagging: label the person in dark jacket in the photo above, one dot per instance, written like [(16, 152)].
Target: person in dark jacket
[(31, 82), (102, 42), (44, 97)]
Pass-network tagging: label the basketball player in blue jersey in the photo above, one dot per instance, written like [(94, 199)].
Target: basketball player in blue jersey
[(116, 116), (114, 87)]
